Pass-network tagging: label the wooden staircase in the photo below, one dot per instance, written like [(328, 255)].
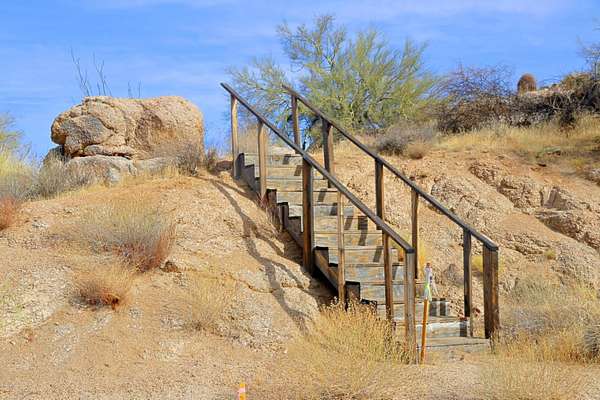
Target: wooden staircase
[(352, 245), (364, 252)]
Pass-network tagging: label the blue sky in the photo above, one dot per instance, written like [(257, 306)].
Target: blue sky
[(183, 47)]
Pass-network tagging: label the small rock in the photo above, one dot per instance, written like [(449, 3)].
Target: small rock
[(170, 266)]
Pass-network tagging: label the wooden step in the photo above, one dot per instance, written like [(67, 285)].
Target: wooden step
[(354, 222), (273, 159), (295, 196), (291, 183), (438, 327), (282, 171), (360, 255), (456, 343), (372, 272), (321, 209), (437, 308), (375, 291), (351, 238)]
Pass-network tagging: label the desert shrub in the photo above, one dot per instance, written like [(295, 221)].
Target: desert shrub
[(417, 150), (187, 156), (134, 229), (15, 187), (104, 285), (210, 160), (545, 321), (345, 355), (205, 301), (397, 139), (9, 208), (54, 178), (507, 379), (473, 97), (591, 341), (527, 83)]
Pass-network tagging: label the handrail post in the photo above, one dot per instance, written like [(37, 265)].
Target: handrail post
[(490, 292), (414, 212), (262, 160), (379, 189), (388, 278), (409, 305), (295, 122), (328, 147), (235, 151), (341, 274), (307, 216), (468, 278)]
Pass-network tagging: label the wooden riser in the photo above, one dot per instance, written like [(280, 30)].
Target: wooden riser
[(290, 184), (320, 209), (444, 327), (365, 238), (372, 272), (436, 309), (456, 344), (273, 159), (356, 255), (295, 197), (377, 292)]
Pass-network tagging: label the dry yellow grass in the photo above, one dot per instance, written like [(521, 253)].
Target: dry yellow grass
[(417, 150), (205, 301), (344, 355), (135, 229), (104, 285), (536, 141)]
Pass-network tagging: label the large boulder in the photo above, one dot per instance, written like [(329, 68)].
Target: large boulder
[(131, 128)]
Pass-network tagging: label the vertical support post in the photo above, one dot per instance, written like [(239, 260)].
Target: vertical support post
[(295, 122), (341, 274), (490, 292), (388, 278), (235, 150), (307, 216), (468, 278), (414, 213), (262, 160), (328, 147), (409, 305), (379, 187)]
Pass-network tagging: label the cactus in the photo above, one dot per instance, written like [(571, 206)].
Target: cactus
[(526, 84), (591, 341)]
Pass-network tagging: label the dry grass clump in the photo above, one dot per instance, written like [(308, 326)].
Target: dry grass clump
[(104, 285), (405, 139), (544, 321), (344, 355), (507, 379), (9, 208), (135, 229), (15, 188), (536, 142), (210, 160), (54, 178), (206, 302)]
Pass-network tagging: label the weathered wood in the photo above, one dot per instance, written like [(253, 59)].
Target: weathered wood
[(409, 305), (328, 147), (388, 273), (235, 150), (262, 159), (295, 121), (490, 292), (341, 250), (468, 278), (307, 217), (379, 190), (414, 216)]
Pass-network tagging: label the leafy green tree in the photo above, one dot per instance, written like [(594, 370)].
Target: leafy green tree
[(361, 81)]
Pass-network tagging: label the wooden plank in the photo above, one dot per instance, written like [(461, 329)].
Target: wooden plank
[(409, 306), (468, 278), (307, 217), (262, 159), (341, 249), (414, 216), (328, 147), (379, 188), (235, 150), (490, 293), (387, 272), (295, 121)]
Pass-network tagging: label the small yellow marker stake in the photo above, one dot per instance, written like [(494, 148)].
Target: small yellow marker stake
[(424, 330), (242, 392)]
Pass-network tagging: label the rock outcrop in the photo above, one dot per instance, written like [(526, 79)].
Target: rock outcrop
[(109, 136)]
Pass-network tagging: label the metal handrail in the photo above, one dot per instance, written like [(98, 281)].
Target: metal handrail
[(337, 184), (436, 204)]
